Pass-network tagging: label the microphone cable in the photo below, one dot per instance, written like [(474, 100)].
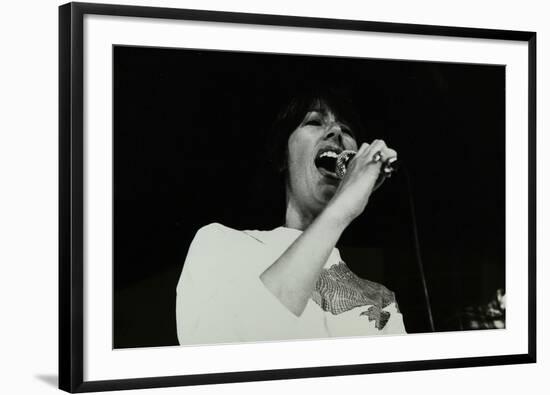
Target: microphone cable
[(416, 244)]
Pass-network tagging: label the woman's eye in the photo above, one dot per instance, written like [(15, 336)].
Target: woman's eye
[(313, 122)]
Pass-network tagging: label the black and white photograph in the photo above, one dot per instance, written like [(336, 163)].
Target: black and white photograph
[(274, 197), (267, 197)]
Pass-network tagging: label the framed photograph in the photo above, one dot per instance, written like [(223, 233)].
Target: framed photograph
[(250, 197)]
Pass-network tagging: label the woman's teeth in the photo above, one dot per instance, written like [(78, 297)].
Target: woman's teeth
[(329, 154)]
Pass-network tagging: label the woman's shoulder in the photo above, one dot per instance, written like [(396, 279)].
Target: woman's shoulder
[(216, 232), (217, 248), (214, 227), (216, 238)]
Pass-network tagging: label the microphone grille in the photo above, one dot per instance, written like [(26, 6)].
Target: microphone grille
[(342, 162)]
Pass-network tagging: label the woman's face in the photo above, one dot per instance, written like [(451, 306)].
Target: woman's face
[(312, 149)]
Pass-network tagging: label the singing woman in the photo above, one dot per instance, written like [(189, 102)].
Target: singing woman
[(291, 282)]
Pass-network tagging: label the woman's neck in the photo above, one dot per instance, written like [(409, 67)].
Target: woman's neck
[(296, 217)]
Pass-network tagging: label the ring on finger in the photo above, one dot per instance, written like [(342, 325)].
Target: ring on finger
[(377, 157)]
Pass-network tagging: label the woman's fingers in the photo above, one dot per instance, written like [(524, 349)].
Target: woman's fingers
[(373, 156), (385, 154), (378, 151), (362, 149)]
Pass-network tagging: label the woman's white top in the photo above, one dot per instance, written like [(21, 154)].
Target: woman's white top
[(221, 299)]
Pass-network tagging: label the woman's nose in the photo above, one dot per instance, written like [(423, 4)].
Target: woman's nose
[(334, 133)]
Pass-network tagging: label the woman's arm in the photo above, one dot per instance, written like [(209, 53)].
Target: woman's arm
[(292, 277)]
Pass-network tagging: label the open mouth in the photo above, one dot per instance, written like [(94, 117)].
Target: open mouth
[(325, 161)]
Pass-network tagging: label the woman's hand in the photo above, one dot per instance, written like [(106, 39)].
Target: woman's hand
[(353, 193)]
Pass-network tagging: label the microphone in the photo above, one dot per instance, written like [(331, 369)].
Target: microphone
[(388, 167)]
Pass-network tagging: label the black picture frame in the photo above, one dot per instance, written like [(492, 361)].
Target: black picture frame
[(71, 195)]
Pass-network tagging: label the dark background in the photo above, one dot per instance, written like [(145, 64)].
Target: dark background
[(190, 127)]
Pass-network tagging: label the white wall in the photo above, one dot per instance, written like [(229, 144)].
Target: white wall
[(28, 193)]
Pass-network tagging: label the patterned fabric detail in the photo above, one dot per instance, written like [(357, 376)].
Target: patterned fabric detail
[(339, 290), (380, 316)]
